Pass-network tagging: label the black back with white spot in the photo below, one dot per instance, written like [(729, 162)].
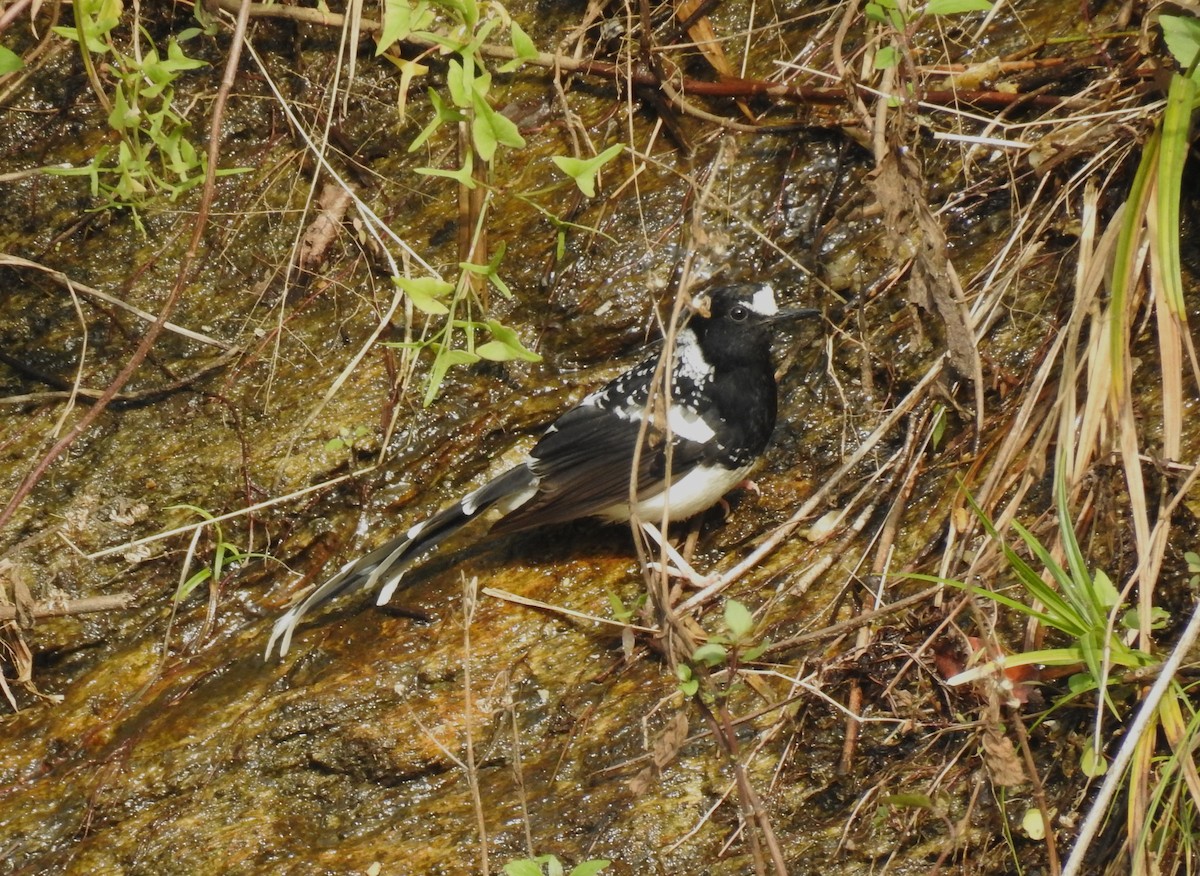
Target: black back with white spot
[(722, 379)]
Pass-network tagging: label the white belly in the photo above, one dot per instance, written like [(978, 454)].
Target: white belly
[(696, 491)]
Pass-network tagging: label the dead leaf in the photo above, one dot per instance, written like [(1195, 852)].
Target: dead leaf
[(663, 750), (933, 283), (1004, 766), (667, 744), (322, 231), (701, 31)]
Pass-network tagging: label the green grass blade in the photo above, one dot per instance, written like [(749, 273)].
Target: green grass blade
[(1172, 154)]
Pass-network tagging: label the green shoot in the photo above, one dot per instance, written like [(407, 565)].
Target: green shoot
[(584, 170), (225, 554), (10, 61), (549, 865), (739, 624)]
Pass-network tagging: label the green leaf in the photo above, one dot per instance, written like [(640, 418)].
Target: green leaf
[(494, 351), (618, 609), (522, 45), (1060, 604), (956, 7), (489, 128), (467, 11), (584, 170), (710, 653), (1102, 586), (875, 12), (94, 21), (750, 654), (590, 868), (186, 588), (1173, 153), (1159, 618), (177, 61), (460, 81), (505, 345), (1182, 36), (122, 117), (939, 426), (1081, 682), (484, 138), (527, 867), (491, 270), (442, 112), (445, 360), (1092, 762), (9, 61), (463, 176), (400, 19), (738, 619), (425, 292), (886, 58)]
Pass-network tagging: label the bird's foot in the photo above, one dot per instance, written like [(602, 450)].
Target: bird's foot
[(748, 485)]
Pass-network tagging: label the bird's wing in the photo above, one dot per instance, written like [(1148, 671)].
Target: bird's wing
[(584, 464)]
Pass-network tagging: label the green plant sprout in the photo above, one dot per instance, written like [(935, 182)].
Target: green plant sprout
[(688, 682), (584, 170), (549, 865), (892, 14), (739, 624), (154, 156), (622, 612), (459, 28), (347, 438), (224, 554)]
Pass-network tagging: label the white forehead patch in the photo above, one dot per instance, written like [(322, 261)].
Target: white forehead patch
[(763, 302)]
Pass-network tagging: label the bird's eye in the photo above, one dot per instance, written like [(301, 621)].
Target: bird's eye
[(739, 312)]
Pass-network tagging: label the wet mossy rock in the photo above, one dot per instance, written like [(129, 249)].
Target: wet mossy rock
[(155, 739)]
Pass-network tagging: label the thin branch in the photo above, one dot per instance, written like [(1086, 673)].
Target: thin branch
[(68, 607)]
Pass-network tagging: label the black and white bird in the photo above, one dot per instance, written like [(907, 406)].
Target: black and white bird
[(720, 416)]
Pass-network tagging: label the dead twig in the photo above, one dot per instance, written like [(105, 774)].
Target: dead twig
[(68, 607)]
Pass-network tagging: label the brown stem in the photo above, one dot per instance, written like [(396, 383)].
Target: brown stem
[(67, 607)]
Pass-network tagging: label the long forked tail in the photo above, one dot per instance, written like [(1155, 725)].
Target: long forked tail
[(386, 565)]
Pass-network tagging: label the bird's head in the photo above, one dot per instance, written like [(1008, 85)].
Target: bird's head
[(735, 322)]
